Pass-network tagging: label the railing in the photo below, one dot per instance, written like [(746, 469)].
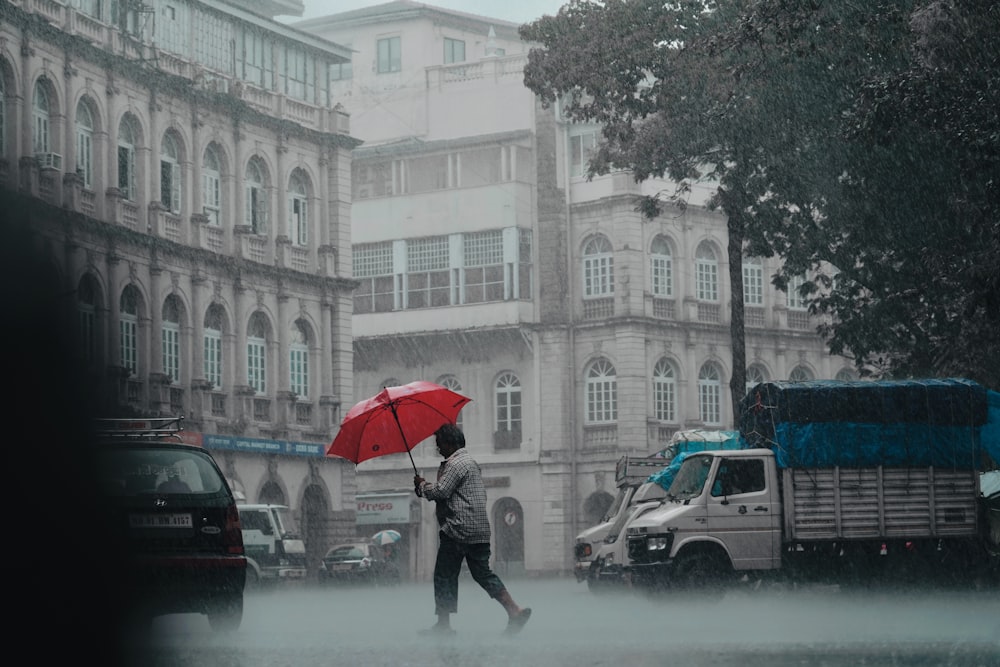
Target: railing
[(664, 309), (753, 317), (90, 27), (262, 409), (598, 309), (600, 435), (177, 400), (49, 9), (88, 202), (798, 319), (300, 259), (303, 414), (130, 214), (306, 113), (709, 312), (257, 248), (172, 227), (214, 239), (133, 391), (218, 405)]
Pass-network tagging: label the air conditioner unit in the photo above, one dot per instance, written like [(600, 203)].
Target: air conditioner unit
[(49, 160)]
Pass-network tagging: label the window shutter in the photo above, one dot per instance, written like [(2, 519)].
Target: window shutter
[(303, 221), (248, 212), (175, 188)]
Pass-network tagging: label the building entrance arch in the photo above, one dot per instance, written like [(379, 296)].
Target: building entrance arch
[(508, 531)]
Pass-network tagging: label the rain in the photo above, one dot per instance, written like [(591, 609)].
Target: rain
[(602, 225)]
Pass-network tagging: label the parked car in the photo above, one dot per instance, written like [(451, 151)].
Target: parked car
[(175, 519), (361, 561)]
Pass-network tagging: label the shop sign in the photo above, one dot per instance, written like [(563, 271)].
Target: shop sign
[(383, 508)]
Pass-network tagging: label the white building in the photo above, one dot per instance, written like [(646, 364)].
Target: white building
[(489, 263), (184, 167)]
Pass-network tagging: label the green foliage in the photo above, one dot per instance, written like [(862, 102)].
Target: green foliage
[(858, 141)]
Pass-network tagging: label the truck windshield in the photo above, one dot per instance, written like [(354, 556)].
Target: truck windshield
[(690, 479), (624, 493), (286, 522)]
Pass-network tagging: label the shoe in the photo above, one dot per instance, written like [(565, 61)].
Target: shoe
[(516, 622), (437, 630)]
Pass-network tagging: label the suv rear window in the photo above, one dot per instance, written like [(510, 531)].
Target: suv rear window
[(128, 472)]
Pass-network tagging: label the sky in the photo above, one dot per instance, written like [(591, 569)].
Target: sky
[(515, 11)]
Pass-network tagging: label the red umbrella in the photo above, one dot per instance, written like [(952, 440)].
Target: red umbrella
[(394, 420)]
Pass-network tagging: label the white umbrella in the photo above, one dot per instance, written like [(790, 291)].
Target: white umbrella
[(386, 536)]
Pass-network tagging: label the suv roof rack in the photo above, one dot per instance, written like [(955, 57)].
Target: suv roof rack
[(150, 428)]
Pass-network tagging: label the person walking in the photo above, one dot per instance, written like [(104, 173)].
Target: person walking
[(464, 532)]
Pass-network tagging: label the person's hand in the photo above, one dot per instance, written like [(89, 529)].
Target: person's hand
[(418, 481)]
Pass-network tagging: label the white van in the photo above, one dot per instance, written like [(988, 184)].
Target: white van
[(274, 548)]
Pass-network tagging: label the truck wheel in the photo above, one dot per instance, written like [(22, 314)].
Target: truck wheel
[(226, 615), (707, 572)]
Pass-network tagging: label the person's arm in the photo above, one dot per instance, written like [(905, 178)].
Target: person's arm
[(450, 479)]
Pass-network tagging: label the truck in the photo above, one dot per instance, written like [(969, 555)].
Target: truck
[(841, 481), (607, 566), (274, 549), (630, 473)]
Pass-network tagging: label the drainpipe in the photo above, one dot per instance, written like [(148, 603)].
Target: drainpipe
[(571, 330)]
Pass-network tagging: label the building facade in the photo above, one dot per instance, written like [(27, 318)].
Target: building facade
[(186, 169), (489, 263)]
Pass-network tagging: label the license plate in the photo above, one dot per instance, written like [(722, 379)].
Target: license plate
[(160, 520), (341, 567)]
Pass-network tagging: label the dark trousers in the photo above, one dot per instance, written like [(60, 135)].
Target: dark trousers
[(448, 566)]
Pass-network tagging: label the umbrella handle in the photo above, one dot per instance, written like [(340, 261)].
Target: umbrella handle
[(392, 406)]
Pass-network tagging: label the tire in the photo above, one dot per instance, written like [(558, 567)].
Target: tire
[(226, 615), (707, 573), (253, 580)]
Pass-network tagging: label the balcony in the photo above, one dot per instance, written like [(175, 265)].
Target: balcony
[(598, 309), (600, 436), (798, 319), (664, 309), (709, 312)]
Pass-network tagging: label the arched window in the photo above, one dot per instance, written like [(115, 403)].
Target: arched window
[(753, 281), (40, 117), (214, 319), (664, 391), (298, 360), (128, 329), (598, 268), (661, 268), (602, 392), (128, 137), (170, 174), (257, 353), (800, 374), (710, 395), (755, 375), (846, 375), (706, 273), (795, 300), (298, 208), (87, 302), (171, 343), (507, 394), (451, 382), (255, 215), (211, 185), (85, 143)]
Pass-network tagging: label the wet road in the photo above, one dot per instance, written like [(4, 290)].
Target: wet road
[(309, 627)]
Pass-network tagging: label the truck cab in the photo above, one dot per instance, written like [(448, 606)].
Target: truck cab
[(722, 513), (630, 473), (274, 548), (611, 556)]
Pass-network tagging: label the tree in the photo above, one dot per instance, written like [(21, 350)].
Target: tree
[(777, 102)]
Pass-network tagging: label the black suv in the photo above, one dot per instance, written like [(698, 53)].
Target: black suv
[(176, 519)]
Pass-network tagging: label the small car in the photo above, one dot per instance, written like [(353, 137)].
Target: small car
[(361, 561), (175, 522)]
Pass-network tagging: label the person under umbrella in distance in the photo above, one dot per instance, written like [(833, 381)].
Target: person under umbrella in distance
[(464, 532)]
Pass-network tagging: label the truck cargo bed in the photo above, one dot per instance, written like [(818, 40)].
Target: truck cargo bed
[(879, 503)]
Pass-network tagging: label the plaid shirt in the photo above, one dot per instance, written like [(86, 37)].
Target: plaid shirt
[(459, 491)]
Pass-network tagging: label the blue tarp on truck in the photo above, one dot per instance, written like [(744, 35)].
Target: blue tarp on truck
[(695, 441), (825, 423)]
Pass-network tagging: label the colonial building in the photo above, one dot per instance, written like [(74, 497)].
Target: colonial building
[(185, 167), (489, 263)]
